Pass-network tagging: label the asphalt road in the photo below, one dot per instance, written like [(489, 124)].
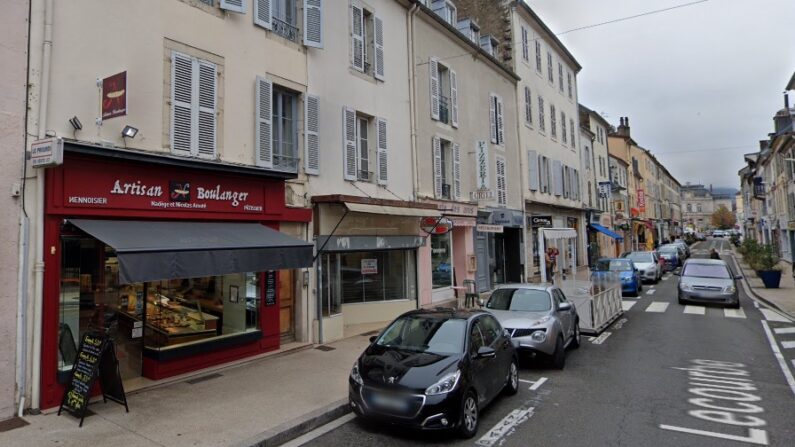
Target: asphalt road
[(680, 376)]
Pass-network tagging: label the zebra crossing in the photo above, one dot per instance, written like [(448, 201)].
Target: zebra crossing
[(664, 306)]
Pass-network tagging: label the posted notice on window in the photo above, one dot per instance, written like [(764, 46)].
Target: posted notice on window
[(369, 266)]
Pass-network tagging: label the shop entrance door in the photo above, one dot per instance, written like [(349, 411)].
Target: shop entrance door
[(287, 305), (482, 257), (512, 255)]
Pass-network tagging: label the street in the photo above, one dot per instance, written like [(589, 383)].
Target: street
[(663, 374)]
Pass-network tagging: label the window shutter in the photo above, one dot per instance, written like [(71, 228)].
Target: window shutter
[(557, 176), (456, 171), (312, 135), (233, 5), (532, 161), (378, 24), (493, 117), (500, 122), (313, 23), (541, 120), (350, 160), (434, 67), (206, 112), (571, 125), (437, 167), (543, 171), (264, 125), (383, 170), (454, 97), (181, 103), (566, 182), (528, 105), (357, 38), (263, 13), (502, 193)]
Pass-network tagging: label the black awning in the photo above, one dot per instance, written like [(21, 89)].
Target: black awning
[(149, 251)]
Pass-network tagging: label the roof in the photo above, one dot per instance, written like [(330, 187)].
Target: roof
[(791, 83), (524, 7), (597, 116)]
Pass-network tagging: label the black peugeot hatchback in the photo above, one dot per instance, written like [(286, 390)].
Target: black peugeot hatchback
[(434, 370)]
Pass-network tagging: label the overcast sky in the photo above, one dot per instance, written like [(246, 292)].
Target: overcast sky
[(701, 77)]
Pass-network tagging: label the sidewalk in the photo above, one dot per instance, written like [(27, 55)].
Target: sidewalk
[(239, 405), (783, 298)]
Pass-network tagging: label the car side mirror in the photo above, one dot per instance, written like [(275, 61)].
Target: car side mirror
[(486, 352), (373, 338), (564, 306), (738, 276)]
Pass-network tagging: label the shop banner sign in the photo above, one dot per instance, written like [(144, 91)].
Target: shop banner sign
[(270, 288), (641, 201), (487, 228), (46, 153), (369, 266), (114, 96), (540, 221), (604, 189), (482, 164)]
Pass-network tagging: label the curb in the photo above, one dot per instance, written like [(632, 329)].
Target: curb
[(756, 295), (299, 426)]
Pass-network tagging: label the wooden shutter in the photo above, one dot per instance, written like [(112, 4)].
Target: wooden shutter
[(502, 193), (233, 5), (528, 106), (454, 97), (357, 38), (263, 12), (557, 177), (456, 171), (541, 120), (206, 109), (378, 24), (181, 104), (312, 135), (571, 125), (437, 167), (493, 118), (532, 162), (434, 76), (381, 137), (500, 122), (264, 125), (313, 23), (566, 182), (350, 159)]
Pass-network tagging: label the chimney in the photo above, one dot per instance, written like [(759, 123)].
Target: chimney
[(623, 127), (786, 101)]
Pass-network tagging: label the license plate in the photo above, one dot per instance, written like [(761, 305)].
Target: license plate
[(390, 402)]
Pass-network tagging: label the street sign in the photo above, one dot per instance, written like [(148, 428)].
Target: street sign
[(46, 153)]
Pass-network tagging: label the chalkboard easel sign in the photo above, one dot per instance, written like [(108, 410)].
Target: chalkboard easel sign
[(96, 359)]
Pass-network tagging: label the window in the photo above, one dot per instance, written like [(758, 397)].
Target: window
[(502, 191), (571, 91), (544, 174), (447, 169), (475, 339), (444, 93), (367, 276), (525, 45), (550, 70), (426, 334), (560, 76), (367, 42), (563, 134), (193, 106), (491, 329), (446, 10), (528, 106), (363, 149), (587, 159), (285, 131), (541, 118), (689, 208), (538, 56), (441, 260), (553, 121), (496, 119)]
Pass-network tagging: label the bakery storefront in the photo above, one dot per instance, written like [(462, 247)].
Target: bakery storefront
[(179, 261)]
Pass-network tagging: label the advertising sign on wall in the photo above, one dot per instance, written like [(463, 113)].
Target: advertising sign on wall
[(641, 201), (114, 96)]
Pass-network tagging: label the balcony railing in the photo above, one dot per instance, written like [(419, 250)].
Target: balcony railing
[(444, 109), (285, 163), (285, 30)]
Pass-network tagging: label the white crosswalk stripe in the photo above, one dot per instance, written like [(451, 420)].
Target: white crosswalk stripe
[(771, 315), (657, 306), (697, 310), (650, 292), (784, 330), (788, 344), (627, 305), (734, 313)]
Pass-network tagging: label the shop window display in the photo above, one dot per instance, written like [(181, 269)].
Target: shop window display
[(441, 261)]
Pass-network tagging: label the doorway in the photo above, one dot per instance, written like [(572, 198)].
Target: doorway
[(287, 305)]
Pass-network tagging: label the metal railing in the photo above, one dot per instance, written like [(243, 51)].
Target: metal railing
[(285, 163), (444, 109), (285, 29)]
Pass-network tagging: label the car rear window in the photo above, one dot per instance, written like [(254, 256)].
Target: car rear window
[(641, 257), (706, 271), (523, 300)]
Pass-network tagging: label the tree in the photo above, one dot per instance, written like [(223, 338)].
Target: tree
[(723, 219)]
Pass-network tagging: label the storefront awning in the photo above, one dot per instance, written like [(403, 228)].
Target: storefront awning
[(559, 233), (149, 251), (608, 232), (391, 210)]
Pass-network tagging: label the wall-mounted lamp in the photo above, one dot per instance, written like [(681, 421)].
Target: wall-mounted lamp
[(76, 124), (129, 132)]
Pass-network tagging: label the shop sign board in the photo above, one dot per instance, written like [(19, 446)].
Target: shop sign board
[(436, 225), (270, 288), (482, 159), (482, 194), (604, 189), (88, 186), (641, 200), (369, 266), (46, 153), (453, 208), (114, 96), (539, 221), (488, 228)]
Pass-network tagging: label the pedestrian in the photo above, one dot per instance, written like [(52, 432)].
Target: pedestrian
[(550, 258), (713, 254)]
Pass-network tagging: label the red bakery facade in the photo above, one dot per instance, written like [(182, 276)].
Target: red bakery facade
[(173, 258)]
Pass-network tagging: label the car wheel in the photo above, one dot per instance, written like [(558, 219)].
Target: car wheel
[(512, 384), (559, 356), (735, 305), (575, 341), (469, 416)]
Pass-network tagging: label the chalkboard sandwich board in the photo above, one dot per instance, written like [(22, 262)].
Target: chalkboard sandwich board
[(96, 359)]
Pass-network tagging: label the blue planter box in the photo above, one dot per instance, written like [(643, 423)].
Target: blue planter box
[(771, 278)]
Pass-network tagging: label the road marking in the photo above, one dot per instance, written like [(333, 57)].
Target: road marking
[(320, 431), (601, 338), (627, 305), (755, 435), (779, 357), (650, 292), (771, 315), (666, 277), (657, 306), (784, 330), (619, 324), (788, 344), (538, 384), (756, 304), (696, 310), (505, 427), (734, 313)]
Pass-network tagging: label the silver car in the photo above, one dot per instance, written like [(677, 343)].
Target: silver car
[(648, 264), (708, 281), (539, 318)]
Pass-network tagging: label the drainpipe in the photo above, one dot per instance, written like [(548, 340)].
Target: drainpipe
[(38, 266), (525, 181), (413, 97)]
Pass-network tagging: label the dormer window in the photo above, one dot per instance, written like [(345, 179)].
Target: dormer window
[(446, 10), (489, 44), (470, 29)]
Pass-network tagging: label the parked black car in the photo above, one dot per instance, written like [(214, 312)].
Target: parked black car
[(434, 370)]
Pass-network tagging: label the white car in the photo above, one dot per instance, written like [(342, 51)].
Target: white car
[(648, 264)]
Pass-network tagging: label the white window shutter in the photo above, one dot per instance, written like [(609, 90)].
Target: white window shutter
[(434, 76), (313, 23), (263, 13), (454, 98), (350, 160), (500, 122), (238, 6), (357, 38), (379, 71), (437, 167), (557, 176), (264, 126), (532, 162), (456, 171), (528, 105), (493, 118), (383, 154), (312, 135), (206, 110), (181, 104)]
